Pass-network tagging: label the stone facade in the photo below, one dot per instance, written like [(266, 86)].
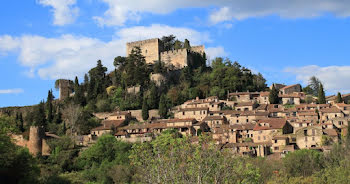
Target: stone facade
[(150, 48), (65, 88), (153, 50)]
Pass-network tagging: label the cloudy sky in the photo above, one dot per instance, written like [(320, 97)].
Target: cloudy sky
[(287, 41)]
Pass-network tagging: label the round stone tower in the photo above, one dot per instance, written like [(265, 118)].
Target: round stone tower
[(35, 140)]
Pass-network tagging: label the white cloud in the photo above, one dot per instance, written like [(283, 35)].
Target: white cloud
[(213, 52), (64, 11), (11, 91), (120, 11), (334, 78), (70, 55)]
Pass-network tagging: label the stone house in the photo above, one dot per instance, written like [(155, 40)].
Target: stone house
[(245, 106), (309, 137), (330, 113), (246, 117), (106, 127), (292, 98), (311, 116), (198, 113), (265, 129), (213, 121), (345, 108), (290, 89)]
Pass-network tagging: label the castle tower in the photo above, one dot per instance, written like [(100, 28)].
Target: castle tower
[(150, 48), (65, 88), (35, 140)]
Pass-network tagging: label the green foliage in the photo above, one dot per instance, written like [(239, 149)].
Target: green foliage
[(173, 159), (169, 42), (39, 116), (163, 107), (339, 98), (104, 157), (321, 95), (303, 163), (16, 164), (273, 96), (187, 44), (145, 114), (86, 122), (314, 84)]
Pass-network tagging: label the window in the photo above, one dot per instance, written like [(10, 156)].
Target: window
[(313, 138), (264, 137), (305, 139), (305, 132), (276, 148), (276, 141), (183, 113), (259, 138), (313, 131)]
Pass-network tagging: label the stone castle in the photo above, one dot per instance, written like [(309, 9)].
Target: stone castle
[(153, 50)]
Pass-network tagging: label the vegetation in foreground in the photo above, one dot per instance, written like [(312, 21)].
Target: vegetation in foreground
[(170, 158)]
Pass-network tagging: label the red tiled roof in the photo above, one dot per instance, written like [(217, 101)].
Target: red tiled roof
[(107, 124), (330, 110), (273, 123)]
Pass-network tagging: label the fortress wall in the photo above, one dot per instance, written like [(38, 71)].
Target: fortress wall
[(176, 57), (138, 114), (149, 48), (199, 49)]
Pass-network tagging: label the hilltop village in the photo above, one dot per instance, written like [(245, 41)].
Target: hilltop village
[(165, 99), (246, 123)]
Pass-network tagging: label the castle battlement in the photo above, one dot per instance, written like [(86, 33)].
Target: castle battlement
[(136, 43), (153, 50)]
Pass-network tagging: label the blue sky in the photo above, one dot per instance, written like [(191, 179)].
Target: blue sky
[(286, 41)]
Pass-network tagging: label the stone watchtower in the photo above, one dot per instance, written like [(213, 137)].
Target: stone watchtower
[(65, 87), (36, 135)]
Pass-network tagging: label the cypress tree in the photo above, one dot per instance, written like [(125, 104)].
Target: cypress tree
[(49, 106), (187, 44), (78, 96), (21, 122), (163, 110), (321, 95), (39, 115), (145, 114), (273, 96), (339, 98)]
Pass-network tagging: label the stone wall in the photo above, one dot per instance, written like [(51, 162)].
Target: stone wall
[(138, 114), (178, 58), (149, 48), (200, 49), (158, 78)]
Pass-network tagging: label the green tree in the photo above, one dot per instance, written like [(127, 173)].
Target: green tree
[(145, 114), (78, 93), (169, 42), (178, 45), (49, 106), (303, 163), (16, 164), (39, 115), (314, 84), (321, 95), (187, 44), (163, 106), (153, 98), (339, 98), (273, 96)]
